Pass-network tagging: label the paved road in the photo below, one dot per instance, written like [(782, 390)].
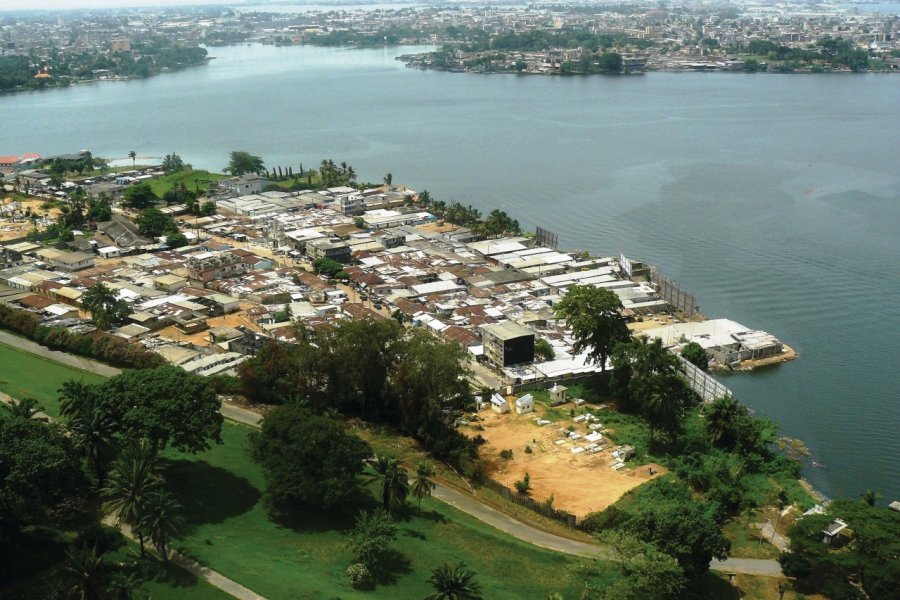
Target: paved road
[(467, 503)]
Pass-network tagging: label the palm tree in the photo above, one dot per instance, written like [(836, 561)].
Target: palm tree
[(869, 497), (93, 429), (122, 586), (25, 408), (394, 481), (161, 520), (133, 156), (454, 583), (87, 569), (134, 479), (423, 486), (721, 416)]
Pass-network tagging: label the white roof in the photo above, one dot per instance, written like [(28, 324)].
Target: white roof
[(526, 400)]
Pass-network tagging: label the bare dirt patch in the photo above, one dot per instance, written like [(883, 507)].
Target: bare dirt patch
[(579, 483)]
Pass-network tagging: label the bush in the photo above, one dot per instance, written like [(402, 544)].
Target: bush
[(506, 454), (360, 576), (528, 450)]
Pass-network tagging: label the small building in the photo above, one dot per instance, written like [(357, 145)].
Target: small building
[(525, 405), (245, 184), (72, 261), (831, 533), (169, 283), (499, 404), (559, 394), (507, 344), (324, 248)]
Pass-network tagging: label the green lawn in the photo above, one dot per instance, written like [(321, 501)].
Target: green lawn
[(221, 490), (190, 178), (23, 374)]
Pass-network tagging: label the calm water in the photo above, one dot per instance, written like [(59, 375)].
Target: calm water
[(775, 199)]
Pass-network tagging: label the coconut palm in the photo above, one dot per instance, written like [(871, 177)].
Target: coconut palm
[(454, 583), (87, 569), (161, 520), (26, 408), (869, 497), (394, 481), (133, 156), (422, 485), (721, 419), (134, 479), (123, 586), (93, 429)]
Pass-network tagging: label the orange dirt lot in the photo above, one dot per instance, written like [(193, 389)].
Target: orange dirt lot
[(580, 484)]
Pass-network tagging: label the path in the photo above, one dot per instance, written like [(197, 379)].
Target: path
[(462, 501)]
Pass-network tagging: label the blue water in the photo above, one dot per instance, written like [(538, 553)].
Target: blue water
[(774, 198)]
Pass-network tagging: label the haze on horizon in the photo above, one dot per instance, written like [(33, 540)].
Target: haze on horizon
[(11, 5)]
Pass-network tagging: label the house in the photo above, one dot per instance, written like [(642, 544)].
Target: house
[(324, 248), (245, 184), (507, 344), (499, 404), (169, 283), (831, 533), (72, 261), (525, 405), (208, 267)]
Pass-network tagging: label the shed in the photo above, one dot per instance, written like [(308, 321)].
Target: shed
[(525, 405), (559, 394), (499, 404)]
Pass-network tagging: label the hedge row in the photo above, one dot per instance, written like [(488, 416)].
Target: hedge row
[(97, 345)]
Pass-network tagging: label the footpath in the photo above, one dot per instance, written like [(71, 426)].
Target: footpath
[(463, 501)]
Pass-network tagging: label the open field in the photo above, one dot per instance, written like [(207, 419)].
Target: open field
[(25, 375), (579, 483), (222, 492), (190, 178)]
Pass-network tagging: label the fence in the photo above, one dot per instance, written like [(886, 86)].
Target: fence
[(704, 385), (528, 502), (674, 295)]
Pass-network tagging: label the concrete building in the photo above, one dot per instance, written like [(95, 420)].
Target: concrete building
[(245, 184), (508, 344), (209, 267), (324, 248)]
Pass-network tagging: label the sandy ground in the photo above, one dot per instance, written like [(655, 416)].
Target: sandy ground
[(580, 484), (437, 227), (651, 322), (10, 230)]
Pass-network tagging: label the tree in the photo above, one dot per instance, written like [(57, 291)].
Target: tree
[(105, 307), (99, 209), (161, 520), (39, 474), (154, 222), (696, 355), (140, 196), (176, 240), (172, 163), (593, 315), (543, 350), (328, 267), (523, 486), (208, 208), (646, 572), (722, 416), (394, 481), (371, 537), (454, 583), (389, 180), (869, 497), (26, 408), (134, 479), (133, 156), (92, 428), (307, 459), (422, 485), (165, 406), (88, 571), (243, 162)]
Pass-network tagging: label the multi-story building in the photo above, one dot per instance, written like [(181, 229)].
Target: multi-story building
[(508, 343)]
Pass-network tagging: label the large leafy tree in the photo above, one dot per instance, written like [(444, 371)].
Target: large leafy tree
[(166, 406), (696, 355), (242, 162), (455, 582), (647, 573), (140, 196), (308, 459), (39, 473), (104, 305), (154, 222), (594, 316)]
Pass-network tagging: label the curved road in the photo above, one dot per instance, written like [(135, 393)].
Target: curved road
[(465, 502)]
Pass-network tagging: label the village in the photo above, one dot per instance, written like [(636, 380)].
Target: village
[(248, 276)]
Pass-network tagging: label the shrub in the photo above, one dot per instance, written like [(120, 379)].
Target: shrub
[(506, 454), (360, 576), (528, 450)]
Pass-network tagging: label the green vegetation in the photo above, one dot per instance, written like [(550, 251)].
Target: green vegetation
[(25, 375), (140, 196), (594, 316), (197, 181), (242, 162), (105, 307), (863, 560)]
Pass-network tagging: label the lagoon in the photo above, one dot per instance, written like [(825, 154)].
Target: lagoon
[(775, 199)]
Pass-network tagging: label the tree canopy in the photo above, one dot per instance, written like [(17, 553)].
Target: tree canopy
[(307, 459), (243, 162), (154, 223), (105, 307), (140, 196), (594, 315)]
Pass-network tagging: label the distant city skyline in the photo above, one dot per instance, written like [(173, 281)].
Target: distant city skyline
[(10, 5)]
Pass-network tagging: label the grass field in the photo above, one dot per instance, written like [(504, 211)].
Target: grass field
[(222, 492), (190, 178), (23, 374)]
